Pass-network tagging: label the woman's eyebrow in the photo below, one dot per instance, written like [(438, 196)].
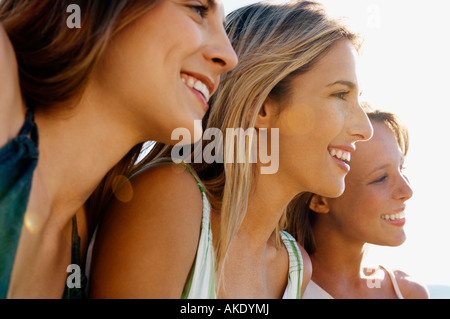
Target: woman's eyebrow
[(350, 84), (379, 168)]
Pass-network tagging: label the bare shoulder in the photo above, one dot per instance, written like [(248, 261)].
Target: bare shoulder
[(12, 109), (307, 268), (151, 239), (169, 180), (410, 288), (165, 191)]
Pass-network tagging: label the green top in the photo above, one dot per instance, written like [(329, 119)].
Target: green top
[(18, 160)]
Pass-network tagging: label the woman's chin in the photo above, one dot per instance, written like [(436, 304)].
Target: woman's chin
[(332, 191)]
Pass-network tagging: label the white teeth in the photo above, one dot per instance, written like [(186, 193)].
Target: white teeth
[(191, 82), (394, 216), (198, 85), (343, 155), (346, 157)]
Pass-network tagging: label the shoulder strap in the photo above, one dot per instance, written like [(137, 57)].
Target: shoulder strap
[(200, 283), (188, 168), (29, 126), (394, 283), (295, 277)]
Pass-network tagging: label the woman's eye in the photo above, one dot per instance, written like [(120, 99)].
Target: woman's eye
[(380, 180), (341, 95), (200, 10)]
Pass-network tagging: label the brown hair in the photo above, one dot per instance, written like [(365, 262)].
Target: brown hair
[(301, 218), (55, 62)]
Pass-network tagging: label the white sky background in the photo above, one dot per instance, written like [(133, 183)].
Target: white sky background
[(405, 69)]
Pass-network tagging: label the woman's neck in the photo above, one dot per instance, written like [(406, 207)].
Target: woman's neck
[(256, 266), (337, 262), (78, 145), (266, 205)]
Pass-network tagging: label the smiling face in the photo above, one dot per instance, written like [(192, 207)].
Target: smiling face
[(164, 66), (321, 122), (373, 204)]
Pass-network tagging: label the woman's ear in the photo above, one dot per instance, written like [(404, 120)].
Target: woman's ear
[(319, 204), (267, 115)]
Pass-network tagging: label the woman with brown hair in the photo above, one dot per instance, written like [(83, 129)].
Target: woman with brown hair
[(335, 231), (134, 71), (220, 235)]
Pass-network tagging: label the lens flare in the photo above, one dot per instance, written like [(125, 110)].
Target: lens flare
[(122, 189), (33, 222)]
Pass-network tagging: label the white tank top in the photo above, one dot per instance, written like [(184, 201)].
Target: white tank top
[(314, 291)]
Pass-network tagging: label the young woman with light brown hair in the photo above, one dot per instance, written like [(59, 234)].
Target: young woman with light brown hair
[(296, 73), (134, 71), (335, 231)]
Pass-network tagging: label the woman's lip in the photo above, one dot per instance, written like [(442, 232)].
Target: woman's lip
[(210, 84), (344, 148), (399, 210), (339, 158), (200, 97), (341, 164), (185, 78), (396, 222), (400, 221)]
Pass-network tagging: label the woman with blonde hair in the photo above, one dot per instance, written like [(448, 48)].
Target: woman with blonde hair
[(89, 80), (296, 80), (335, 231)]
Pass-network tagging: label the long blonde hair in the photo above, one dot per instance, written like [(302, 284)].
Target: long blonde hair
[(274, 43)]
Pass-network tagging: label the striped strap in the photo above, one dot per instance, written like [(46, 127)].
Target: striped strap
[(295, 276)]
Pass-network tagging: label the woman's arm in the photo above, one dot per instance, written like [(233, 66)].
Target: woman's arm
[(146, 247), (12, 108)]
